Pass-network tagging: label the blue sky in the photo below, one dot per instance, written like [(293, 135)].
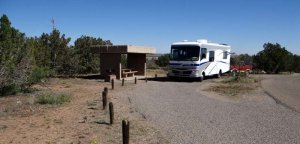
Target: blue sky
[(245, 25)]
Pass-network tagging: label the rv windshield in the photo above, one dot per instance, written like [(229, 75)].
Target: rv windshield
[(185, 53)]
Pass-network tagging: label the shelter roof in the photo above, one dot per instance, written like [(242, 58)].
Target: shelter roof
[(122, 49)]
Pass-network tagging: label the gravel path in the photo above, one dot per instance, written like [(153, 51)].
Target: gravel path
[(185, 115)]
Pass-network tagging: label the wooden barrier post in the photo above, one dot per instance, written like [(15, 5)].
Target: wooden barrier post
[(106, 90), (112, 84), (155, 76), (111, 112), (125, 131), (135, 80), (123, 82), (104, 99)]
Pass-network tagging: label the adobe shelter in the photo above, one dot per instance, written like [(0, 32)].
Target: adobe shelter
[(110, 60)]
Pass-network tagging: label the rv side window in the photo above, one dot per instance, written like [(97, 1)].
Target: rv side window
[(203, 53), (211, 56), (225, 54)]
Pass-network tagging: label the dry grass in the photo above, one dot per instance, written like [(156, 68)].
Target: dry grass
[(51, 98), (231, 89), (159, 72), (233, 86)]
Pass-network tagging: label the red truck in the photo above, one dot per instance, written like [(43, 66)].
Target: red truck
[(241, 68)]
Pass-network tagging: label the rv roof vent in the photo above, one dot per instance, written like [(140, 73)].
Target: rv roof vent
[(185, 40), (202, 41)]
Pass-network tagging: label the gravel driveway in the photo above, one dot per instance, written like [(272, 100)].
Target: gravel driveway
[(185, 115)]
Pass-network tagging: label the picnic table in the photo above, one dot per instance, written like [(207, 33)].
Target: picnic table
[(128, 72)]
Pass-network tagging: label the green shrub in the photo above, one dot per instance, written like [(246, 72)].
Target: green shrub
[(10, 90), (39, 73), (20, 81), (163, 60), (51, 98), (152, 65)]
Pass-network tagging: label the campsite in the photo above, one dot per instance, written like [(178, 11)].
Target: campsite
[(149, 72)]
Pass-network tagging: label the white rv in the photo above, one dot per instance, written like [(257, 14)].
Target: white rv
[(198, 59)]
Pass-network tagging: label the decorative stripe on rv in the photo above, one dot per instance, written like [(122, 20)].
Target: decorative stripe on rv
[(174, 64), (223, 62)]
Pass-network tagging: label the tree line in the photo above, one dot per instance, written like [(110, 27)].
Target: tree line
[(274, 58), (26, 60)]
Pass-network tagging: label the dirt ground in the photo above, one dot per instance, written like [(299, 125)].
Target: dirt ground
[(81, 121), (84, 121)]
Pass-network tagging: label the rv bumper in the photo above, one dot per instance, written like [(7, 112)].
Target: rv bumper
[(184, 73)]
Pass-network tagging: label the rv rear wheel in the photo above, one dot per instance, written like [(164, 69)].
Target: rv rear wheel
[(219, 74)]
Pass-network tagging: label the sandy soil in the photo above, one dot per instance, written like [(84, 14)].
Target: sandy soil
[(80, 121)]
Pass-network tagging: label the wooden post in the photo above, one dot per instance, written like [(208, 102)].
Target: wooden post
[(111, 112), (104, 99), (112, 84), (135, 80), (146, 79), (123, 82), (155, 76), (125, 131), (120, 70), (106, 90)]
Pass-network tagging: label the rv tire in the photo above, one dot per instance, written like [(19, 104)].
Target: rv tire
[(203, 76), (219, 74)]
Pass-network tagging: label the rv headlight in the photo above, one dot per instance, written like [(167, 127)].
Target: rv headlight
[(194, 72)]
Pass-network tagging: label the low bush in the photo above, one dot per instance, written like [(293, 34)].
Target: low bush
[(152, 65), (39, 73), (51, 98), (10, 90), (163, 60)]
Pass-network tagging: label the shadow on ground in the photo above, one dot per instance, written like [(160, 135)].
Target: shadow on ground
[(87, 76), (179, 79)]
